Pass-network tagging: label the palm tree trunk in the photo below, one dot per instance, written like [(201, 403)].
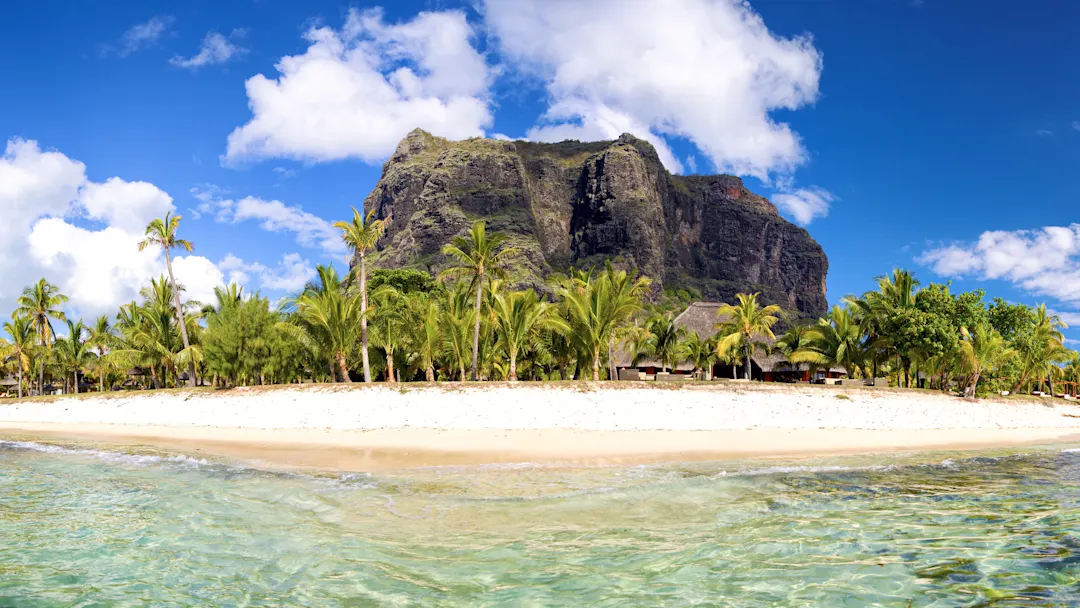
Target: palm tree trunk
[(363, 319), (747, 349), (342, 368), (180, 316), (476, 327), (20, 378), (101, 374), (390, 367), (513, 366), (596, 363), (611, 356), (970, 391), (75, 380), (429, 373)]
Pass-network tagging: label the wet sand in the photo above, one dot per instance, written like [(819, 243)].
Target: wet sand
[(385, 449)]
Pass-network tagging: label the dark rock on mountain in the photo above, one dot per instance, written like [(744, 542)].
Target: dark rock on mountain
[(578, 204)]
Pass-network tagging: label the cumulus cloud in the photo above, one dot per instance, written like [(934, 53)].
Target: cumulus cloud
[(804, 204), (273, 216), (144, 35), (706, 70), (355, 92), (1044, 262), (42, 196), (291, 274), (216, 48)]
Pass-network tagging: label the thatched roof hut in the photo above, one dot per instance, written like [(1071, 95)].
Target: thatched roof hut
[(702, 319)]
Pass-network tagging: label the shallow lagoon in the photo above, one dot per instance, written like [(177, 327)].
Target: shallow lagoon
[(95, 526)]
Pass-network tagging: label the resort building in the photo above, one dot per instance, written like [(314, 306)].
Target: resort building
[(701, 318)]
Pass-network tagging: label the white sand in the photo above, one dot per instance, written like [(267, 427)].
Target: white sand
[(368, 428), (696, 407)]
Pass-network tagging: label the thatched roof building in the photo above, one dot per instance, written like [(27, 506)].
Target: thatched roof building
[(702, 319)]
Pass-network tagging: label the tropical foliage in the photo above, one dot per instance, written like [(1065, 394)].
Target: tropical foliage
[(475, 321)]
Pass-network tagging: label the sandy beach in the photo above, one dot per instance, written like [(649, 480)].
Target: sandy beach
[(381, 427)]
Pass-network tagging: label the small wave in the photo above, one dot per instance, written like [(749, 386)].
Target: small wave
[(118, 457), (359, 480)]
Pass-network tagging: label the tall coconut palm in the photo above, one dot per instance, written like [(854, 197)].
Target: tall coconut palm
[(478, 255), (981, 350), (600, 308), (362, 234), (328, 319), (74, 351), (101, 338), (21, 332), (40, 303), (162, 232), (746, 325), (427, 339), (389, 319), (519, 316), (1044, 349)]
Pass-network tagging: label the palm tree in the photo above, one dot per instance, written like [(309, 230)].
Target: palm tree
[(702, 353), (21, 331), (101, 338), (328, 319), (664, 341), (797, 345), (519, 316), (601, 307), (837, 340), (74, 351), (980, 351), (362, 234), (163, 232), (1045, 349), (427, 340), (478, 255), (746, 325), (390, 319), (1072, 371), (40, 303)]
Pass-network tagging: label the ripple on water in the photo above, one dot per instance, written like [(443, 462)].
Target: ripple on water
[(88, 526)]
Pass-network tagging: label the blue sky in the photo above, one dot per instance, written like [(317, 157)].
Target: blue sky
[(938, 136)]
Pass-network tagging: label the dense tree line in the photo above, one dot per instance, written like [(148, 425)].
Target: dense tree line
[(471, 323)]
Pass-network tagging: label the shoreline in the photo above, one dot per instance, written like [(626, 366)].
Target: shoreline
[(379, 428), (391, 449)]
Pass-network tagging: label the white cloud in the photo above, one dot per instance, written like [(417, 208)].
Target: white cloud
[(272, 216), (1070, 318), (357, 91), (127, 205), (804, 204), (144, 35), (216, 48), (291, 274), (599, 123), (1076, 125), (1044, 262), (706, 70), (1045, 132), (41, 192)]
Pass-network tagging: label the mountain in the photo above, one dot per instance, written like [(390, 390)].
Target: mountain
[(581, 203)]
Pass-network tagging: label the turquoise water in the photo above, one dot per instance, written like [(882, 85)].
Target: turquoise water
[(96, 527)]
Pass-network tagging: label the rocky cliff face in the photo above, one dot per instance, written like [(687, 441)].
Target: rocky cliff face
[(579, 204)]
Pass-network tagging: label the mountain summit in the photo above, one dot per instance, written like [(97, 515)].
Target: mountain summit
[(581, 203)]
